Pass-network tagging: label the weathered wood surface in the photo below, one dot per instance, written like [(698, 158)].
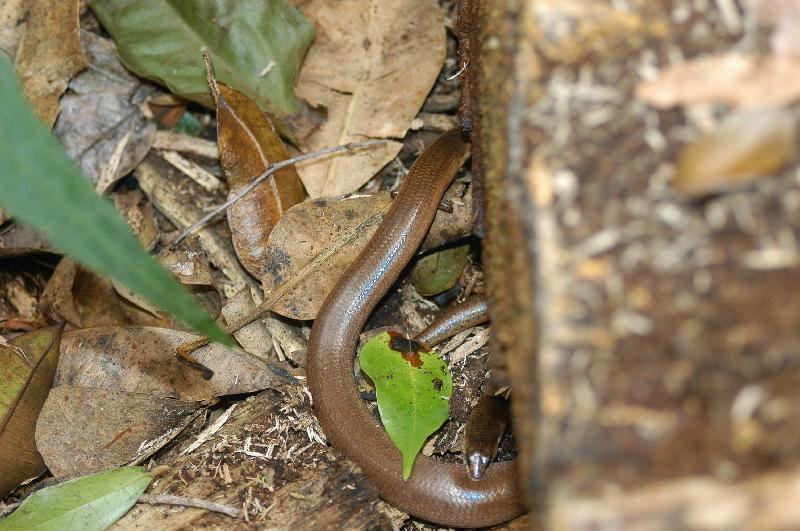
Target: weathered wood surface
[(266, 460), (654, 340)]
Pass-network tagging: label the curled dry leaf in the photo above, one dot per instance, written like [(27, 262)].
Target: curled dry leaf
[(248, 144), (742, 149), (143, 360), (371, 66), (27, 367), (84, 429), (314, 243), (84, 298), (49, 54)]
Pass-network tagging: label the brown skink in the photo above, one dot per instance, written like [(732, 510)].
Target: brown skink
[(436, 491), (489, 418), (457, 318)]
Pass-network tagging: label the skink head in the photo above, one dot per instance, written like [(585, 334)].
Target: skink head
[(476, 465)]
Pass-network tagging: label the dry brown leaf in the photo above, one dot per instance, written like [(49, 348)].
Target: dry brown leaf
[(27, 367), (138, 212), (85, 299), (16, 240), (143, 360), (315, 242), (742, 149), (248, 144), (105, 72), (49, 54), (12, 25), (82, 430), (371, 66), (93, 126), (735, 78)]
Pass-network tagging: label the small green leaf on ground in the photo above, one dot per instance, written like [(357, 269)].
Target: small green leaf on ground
[(413, 387), (42, 188), (87, 503), (440, 270), (256, 45)]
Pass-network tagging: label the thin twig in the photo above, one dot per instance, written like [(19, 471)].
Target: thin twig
[(169, 499), (258, 180)]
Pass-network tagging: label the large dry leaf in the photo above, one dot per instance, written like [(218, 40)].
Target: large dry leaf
[(371, 66), (315, 242), (84, 298), (248, 144), (92, 127), (734, 78), (27, 367), (82, 430), (143, 360), (49, 54)]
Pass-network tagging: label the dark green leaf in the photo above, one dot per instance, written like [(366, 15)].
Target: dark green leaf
[(87, 503), (40, 186), (164, 40), (440, 270), (413, 390)]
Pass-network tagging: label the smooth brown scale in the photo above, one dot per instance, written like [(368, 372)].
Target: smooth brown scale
[(436, 491), (487, 424)]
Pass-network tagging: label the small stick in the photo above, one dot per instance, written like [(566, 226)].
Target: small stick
[(258, 180), (169, 499)]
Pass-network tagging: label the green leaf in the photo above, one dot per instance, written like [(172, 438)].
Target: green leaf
[(41, 187), (413, 389), (87, 503), (164, 40), (439, 271)]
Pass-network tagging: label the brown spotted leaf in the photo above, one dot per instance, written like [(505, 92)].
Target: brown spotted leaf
[(314, 243), (248, 144), (27, 366), (142, 360), (84, 429), (49, 54)]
